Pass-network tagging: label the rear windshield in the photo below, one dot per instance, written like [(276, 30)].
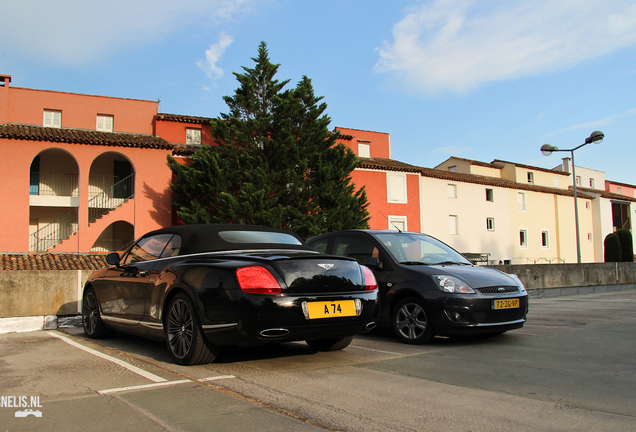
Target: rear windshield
[(258, 237)]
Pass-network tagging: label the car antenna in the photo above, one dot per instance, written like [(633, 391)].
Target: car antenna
[(399, 230)]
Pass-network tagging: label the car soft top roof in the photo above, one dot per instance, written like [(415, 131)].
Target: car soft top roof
[(199, 238)]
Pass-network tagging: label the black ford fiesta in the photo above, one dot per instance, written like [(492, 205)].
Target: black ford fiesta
[(428, 288), (200, 287)]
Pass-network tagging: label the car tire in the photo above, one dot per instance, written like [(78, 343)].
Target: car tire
[(92, 322), (183, 333), (410, 321), (329, 344)]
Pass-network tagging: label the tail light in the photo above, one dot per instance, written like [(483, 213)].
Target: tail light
[(370, 283), (257, 280)]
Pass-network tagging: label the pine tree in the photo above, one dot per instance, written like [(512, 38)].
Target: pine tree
[(277, 163)]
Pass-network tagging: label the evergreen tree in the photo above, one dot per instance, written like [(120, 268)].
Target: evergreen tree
[(612, 245), (627, 244), (277, 163)]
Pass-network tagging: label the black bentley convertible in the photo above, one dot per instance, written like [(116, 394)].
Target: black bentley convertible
[(200, 287)]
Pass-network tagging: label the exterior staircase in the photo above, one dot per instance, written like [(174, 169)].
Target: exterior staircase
[(52, 236)]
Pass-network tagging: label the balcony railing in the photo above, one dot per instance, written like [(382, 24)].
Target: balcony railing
[(111, 198), (54, 232), (54, 184)]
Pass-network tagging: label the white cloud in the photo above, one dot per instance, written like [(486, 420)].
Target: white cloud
[(457, 45), (72, 32), (451, 150), (595, 123), (212, 56)]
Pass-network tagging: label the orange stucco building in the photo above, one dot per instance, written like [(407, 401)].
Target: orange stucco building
[(87, 173)]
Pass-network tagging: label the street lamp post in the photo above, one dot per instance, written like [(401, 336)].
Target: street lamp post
[(596, 137)]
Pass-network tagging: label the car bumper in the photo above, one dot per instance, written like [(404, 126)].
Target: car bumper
[(265, 319), (463, 315)]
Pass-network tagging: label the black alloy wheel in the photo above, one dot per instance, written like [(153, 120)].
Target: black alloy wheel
[(329, 344), (92, 322), (410, 321), (183, 333)]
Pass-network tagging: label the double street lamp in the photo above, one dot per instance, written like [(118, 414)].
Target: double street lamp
[(596, 138)]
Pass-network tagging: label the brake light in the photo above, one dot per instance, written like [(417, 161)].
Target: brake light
[(257, 280), (370, 283)]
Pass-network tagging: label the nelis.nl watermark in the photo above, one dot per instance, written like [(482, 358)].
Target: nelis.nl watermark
[(28, 403)]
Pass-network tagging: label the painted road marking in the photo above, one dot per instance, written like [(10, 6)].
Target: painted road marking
[(162, 384), (134, 369)]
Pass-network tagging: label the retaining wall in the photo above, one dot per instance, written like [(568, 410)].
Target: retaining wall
[(26, 293)]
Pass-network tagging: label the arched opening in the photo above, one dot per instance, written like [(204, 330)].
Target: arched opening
[(111, 182), (116, 237), (53, 198)]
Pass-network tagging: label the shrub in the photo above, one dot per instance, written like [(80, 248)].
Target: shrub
[(627, 245), (612, 245)]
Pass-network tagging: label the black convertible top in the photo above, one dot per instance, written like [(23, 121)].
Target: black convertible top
[(200, 238)]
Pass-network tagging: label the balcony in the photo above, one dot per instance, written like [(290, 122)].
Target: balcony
[(53, 190)]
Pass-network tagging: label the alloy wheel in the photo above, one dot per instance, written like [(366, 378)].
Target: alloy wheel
[(180, 328)]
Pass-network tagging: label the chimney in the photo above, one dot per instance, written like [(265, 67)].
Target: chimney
[(5, 80), (4, 98)]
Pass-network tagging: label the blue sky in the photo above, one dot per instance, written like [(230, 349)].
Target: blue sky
[(481, 80)]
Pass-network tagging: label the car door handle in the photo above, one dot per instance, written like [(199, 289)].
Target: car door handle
[(143, 273)]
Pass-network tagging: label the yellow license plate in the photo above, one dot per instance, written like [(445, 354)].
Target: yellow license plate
[(505, 304), (331, 309)]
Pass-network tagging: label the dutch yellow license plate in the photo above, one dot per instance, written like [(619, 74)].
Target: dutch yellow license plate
[(331, 309), (505, 304)]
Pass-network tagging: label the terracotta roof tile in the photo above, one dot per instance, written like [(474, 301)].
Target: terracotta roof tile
[(548, 170), (81, 136), (49, 261), (393, 165), (604, 194), (479, 163), (184, 118)]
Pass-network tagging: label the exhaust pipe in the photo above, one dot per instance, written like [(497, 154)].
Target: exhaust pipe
[(370, 326), (274, 333)]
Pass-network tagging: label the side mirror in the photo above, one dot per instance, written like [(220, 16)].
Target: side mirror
[(373, 262), (113, 259)]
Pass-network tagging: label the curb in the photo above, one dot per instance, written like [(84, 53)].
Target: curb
[(37, 323)]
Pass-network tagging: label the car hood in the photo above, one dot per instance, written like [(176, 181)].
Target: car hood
[(476, 277)]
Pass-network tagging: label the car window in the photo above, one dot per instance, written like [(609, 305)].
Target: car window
[(173, 247), (409, 247), (357, 247), (258, 237), (320, 245), (147, 248)]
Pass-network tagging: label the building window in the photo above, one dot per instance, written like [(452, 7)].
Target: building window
[(193, 136), (523, 238), (452, 191), (578, 180), (364, 150), (490, 196), (521, 201), (396, 188), (452, 225), (545, 239), (530, 177), (490, 224), (589, 237), (104, 123), (555, 181), (587, 205), (619, 190), (397, 223), (452, 168), (592, 183), (52, 118)]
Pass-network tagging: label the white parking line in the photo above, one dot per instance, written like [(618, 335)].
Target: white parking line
[(134, 369), (162, 384), (376, 350), (141, 387)]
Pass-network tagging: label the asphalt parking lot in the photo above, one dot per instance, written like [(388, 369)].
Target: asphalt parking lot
[(570, 368)]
